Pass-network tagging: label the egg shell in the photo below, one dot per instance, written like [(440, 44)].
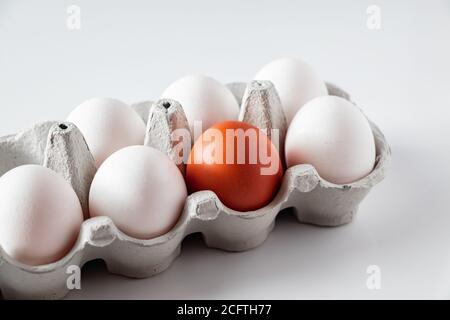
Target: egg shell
[(40, 215), (295, 81), (334, 136), (250, 180), (140, 189), (107, 125), (203, 99)]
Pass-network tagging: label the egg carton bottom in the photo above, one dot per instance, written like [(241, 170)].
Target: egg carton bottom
[(312, 199)]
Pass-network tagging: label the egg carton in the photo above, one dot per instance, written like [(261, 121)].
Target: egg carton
[(61, 147)]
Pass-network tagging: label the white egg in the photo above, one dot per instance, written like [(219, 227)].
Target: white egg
[(295, 81), (203, 99), (141, 190), (335, 137), (40, 215), (107, 125)]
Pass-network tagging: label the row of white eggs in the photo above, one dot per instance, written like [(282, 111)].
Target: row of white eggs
[(142, 190)]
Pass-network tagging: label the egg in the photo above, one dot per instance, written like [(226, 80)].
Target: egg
[(334, 136), (107, 126), (295, 81), (238, 162), (141, 190), (40, 215), (204, 100)]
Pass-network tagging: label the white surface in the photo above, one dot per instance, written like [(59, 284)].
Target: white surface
[(141, 190), (295, 81), (343, 150), (107, 125), (204, 100), (132, 50), (40, 215)]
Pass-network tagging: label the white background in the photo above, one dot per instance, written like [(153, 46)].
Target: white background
[(400, 74)]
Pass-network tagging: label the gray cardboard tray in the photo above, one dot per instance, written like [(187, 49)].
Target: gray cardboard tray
[(61, 147)]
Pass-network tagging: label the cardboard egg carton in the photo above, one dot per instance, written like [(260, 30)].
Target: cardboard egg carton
[(61, 147)]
